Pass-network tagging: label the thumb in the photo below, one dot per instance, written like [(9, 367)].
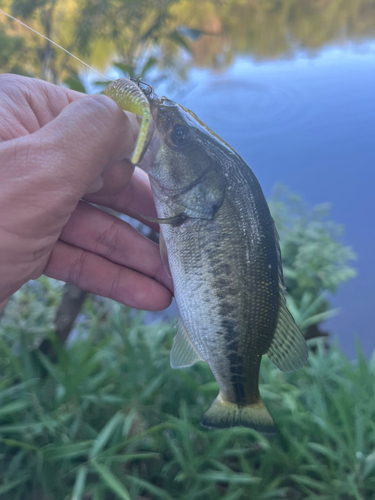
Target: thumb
[(66, 155), (89, 135)]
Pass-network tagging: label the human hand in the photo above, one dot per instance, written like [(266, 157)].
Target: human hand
[(57, 145)]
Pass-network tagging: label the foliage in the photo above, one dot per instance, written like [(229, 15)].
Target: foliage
[(123, 30), (314, 259), (9, 47), (112, 420), (31, 311)]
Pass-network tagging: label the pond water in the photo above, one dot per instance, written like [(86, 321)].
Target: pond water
[(308, 122)]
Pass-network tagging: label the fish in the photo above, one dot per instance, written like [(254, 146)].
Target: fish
[(219, 244)]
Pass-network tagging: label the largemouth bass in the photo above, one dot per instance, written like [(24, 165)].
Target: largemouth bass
[(219, 243)]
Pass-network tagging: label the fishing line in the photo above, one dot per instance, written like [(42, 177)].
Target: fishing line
[(54, 43)]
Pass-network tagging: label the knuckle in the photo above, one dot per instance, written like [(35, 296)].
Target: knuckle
[(109, 240), (113, 289), (126, 198), (76, 274)]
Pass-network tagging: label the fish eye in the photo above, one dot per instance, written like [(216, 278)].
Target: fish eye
[(180, 134)]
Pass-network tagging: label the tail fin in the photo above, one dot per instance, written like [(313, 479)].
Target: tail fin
[(223, 414)]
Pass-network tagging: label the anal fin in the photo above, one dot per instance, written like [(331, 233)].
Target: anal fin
[(183, 352)]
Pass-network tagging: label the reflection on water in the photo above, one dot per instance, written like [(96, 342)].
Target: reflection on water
[(272, 29), (177, 35)]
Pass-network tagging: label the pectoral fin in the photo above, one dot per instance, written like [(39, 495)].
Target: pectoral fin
[(183, 353), (288, 350), (164, 254)]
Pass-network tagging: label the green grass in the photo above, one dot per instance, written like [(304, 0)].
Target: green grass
[(112, 420)]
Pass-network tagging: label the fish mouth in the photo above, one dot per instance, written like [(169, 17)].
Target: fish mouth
[(153, 99), (160, 123), (152, 142), (155, 103), (160, 112), (158, 107), (164, 113)]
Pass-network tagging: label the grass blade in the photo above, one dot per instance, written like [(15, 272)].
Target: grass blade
[(4, 488), (14, 407), (66, 451), (106, 433), (111, 481), (223, 477), (79, 484), (158, 492)]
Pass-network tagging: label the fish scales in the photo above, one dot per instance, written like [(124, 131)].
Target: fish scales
[(232, 303)]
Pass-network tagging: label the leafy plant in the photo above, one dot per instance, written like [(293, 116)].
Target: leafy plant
[(31, 312), (314, 259), (112, 420), (308, 313)]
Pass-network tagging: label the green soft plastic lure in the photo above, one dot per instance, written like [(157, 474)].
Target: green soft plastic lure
[(130, 97)]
